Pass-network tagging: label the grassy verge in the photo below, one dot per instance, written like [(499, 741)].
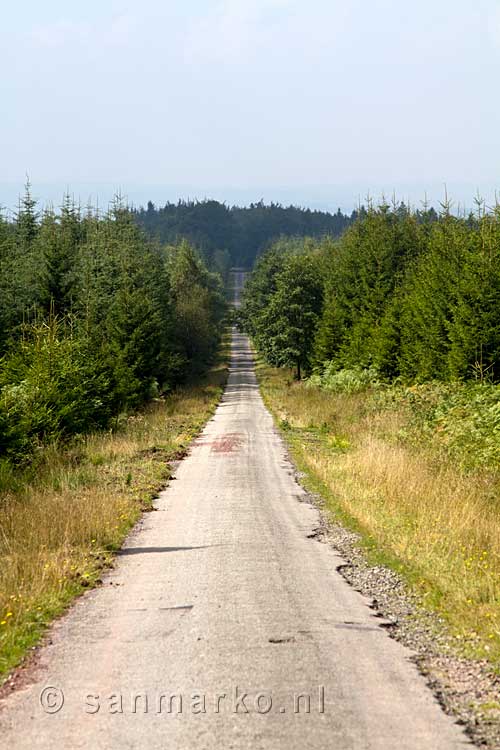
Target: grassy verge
[(59, 529), (419, 508)]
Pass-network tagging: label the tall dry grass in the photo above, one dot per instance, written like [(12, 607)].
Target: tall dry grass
[(58, 530), (441, 523)]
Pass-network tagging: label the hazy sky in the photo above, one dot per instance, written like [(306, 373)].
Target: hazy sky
[(315, 102)]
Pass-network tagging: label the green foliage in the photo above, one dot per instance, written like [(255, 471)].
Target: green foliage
[(414, 296), (198, 306), (450, 303), (59, 239), (95, 319), (51, 385), (363, 269), (350, 380), (259, 289), (281, 306), (242, 234), (461, 419), (408, 295)]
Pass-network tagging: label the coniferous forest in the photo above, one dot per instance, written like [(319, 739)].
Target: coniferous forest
[(235, 236), (95, 319), (99, 312), (409, 295)]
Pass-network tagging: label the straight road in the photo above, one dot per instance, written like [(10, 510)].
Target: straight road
[(223, 623)]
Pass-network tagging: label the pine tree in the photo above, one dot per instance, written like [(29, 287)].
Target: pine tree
[(287, 326)]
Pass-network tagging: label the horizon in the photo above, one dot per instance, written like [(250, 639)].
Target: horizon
[(313, 105), (101, 196)]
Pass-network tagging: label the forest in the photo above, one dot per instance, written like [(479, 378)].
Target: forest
[(409, 295), (236, 236), (95, 320)]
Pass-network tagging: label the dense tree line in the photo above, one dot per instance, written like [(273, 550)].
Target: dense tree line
[(94, 320), (408, 294), (236, 236)]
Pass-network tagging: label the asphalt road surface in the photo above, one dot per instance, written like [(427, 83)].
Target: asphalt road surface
[(225, 624)]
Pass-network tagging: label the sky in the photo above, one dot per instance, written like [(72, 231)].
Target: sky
[(317, 103)]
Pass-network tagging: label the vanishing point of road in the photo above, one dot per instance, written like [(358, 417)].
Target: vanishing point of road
[(225, 624)]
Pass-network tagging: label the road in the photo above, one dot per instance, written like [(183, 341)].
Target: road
[(221, 592)]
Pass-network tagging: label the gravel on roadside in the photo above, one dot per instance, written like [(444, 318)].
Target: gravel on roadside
[(467, 689)]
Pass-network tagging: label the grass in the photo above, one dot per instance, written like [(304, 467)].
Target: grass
[(59, 529), (418, 507)]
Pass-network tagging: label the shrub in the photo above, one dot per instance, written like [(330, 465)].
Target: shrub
[(51, 385), (462, 419), (349, 380)]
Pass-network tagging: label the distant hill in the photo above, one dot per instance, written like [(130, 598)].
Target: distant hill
[(235, 236)]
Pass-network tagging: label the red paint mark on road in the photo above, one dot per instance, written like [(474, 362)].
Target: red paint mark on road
[(228, 443)]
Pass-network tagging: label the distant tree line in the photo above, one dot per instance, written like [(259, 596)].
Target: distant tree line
[(411, 294), (94, 320), (236, 236)]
